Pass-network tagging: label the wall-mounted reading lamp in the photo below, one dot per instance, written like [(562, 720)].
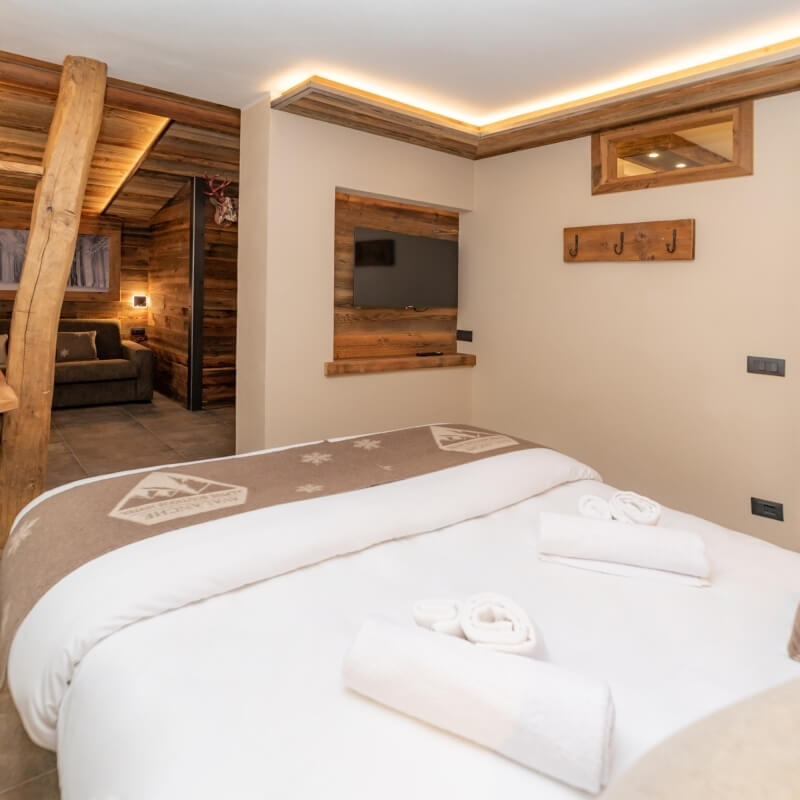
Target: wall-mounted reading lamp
[(139, 301)]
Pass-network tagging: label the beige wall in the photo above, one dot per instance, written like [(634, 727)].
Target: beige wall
[(308, 161), (639, 368), (251, 291)]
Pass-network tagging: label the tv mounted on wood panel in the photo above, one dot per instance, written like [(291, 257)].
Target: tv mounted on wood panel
[(398, 270)]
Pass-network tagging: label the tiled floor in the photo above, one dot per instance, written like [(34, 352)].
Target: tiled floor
[(94, 441)]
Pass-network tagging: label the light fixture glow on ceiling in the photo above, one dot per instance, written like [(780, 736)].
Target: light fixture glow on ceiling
[(756, 49), (653, 155), (680, 165)]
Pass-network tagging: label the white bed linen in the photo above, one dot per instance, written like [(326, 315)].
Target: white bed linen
[(241, 695)]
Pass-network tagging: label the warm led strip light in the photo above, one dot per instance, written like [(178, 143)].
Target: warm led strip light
[(745, 54)]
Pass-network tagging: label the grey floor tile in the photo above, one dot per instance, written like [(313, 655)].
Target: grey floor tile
[(57, 446), (104, 466)]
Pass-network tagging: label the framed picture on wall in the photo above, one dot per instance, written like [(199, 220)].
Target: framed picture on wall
[(95, 267)]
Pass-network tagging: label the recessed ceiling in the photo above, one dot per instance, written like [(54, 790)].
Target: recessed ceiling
[(474, 62)]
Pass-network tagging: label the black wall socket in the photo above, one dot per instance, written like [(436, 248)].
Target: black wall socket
[(766, 508), (464, 336), (763, 365)]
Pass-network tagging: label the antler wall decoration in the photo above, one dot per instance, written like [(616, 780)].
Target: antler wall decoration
[(227, 208)]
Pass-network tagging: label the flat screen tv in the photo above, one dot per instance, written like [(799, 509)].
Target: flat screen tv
[(396, 270)]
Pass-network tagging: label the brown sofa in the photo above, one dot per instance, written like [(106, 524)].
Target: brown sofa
[(122, 372)]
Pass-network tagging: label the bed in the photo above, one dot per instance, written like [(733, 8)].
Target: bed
[(206, 661)]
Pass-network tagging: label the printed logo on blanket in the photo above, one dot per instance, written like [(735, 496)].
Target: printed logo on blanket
[(458, 440), (164, 496)]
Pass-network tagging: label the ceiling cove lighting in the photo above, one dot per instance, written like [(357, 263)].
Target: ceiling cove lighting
[(755, 50)]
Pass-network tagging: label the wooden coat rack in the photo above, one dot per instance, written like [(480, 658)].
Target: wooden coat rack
[(665, 240)]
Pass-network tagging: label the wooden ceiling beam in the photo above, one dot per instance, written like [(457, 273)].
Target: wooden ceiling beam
[(40, 294), (8, 397), (42, 76)]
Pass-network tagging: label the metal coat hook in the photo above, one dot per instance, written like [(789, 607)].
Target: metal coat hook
[(621, 243), (671, 248), (574, 251)]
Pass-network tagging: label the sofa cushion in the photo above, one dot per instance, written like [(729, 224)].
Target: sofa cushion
[(109, 369), (109, 338), (78, 346)]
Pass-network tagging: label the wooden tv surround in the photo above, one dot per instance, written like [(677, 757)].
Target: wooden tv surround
[(388, 339)]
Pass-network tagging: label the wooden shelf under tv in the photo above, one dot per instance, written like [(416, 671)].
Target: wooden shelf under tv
[(363, 366)]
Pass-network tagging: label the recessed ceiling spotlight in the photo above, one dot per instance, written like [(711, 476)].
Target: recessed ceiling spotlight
[(653, 154), (680, 165)]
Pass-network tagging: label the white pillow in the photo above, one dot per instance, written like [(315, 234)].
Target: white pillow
[(3, 349)]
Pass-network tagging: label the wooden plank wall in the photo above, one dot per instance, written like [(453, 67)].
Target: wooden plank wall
[(133, 277), (219, 313), (376, 332), (170, 297)]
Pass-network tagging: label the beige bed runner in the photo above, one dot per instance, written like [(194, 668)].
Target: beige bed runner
[(61, 533)]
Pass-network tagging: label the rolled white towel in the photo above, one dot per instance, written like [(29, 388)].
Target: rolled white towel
[(438, 614), (540, 715), (632, 507), (623, 549), (594, 507), (494, 621)]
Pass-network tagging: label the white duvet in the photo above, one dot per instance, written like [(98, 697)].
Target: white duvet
[(240, 695)]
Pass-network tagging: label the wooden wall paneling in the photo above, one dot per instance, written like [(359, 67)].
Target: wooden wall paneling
[(665, 240), (386, 333), (219, 311), (170, 300)]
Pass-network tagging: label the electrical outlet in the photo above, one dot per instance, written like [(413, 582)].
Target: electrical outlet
[(766, 508), (766, 366), (464, 336)]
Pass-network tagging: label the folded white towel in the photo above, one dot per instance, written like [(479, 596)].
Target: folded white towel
[(492, 620), (594, 507), (599, 545), (632, 507), (533, 712), (438, 614)]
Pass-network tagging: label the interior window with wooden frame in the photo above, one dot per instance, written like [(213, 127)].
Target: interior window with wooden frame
[(702, 146), (95, 273)]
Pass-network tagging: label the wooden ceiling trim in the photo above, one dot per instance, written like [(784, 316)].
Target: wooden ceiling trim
[(746, 84), (43, 76), (336, 103)]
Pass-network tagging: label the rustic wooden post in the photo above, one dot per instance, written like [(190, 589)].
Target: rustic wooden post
[(48, 258)]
